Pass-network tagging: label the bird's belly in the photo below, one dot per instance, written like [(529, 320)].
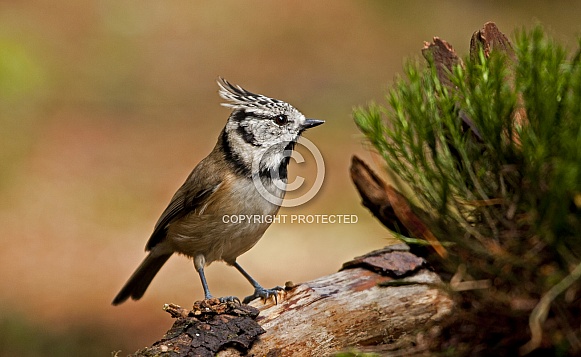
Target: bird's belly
[(227, 226), (215, 237)]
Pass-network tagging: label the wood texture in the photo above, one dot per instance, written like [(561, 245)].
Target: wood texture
[(349, 309), (380, 302)]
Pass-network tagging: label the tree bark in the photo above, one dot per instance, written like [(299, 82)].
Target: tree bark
[(349, 309), (378, 303)]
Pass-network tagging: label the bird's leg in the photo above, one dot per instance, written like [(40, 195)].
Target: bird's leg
[(259, 291), (199, 263), (207, 294)]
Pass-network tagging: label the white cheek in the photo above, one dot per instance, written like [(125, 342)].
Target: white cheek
[(290, 134)]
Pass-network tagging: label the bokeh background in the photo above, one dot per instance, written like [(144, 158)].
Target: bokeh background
[(106, 106)]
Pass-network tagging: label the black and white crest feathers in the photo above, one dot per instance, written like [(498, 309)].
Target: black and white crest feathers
[(239, 98)]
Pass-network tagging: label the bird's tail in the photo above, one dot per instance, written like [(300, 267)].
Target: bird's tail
[(141, 278)]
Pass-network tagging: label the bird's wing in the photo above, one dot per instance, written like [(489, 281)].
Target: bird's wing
[(190, 196)]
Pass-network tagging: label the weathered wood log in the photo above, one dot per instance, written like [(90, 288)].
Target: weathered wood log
[(379, 302), (208, 328)]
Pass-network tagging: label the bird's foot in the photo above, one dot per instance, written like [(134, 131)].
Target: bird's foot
[(264, 294), (221, 300), (225, 299)]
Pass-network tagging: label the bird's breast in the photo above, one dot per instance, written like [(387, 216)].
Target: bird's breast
[(228, 224)]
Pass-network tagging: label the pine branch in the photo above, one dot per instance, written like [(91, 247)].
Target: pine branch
[(491, 147)]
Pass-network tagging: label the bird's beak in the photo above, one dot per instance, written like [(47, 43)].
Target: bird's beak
[(311, 123)]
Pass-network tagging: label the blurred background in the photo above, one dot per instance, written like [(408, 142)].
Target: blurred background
[(106, 106)]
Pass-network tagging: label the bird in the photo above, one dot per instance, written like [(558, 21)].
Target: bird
[(252, 148)]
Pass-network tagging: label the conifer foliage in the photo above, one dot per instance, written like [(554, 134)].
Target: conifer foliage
[(491, 148)]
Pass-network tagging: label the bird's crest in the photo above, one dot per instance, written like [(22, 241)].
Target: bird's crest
[(239, 98)]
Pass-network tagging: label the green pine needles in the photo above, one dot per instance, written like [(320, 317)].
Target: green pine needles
[(493, 154)]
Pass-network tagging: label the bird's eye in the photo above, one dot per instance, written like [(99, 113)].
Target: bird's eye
[(281, 119)]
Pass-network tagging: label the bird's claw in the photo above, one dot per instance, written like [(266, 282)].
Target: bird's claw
[(264, 294), (225, 299)]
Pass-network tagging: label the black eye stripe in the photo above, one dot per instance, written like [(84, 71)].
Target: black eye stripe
[(279, 119)]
